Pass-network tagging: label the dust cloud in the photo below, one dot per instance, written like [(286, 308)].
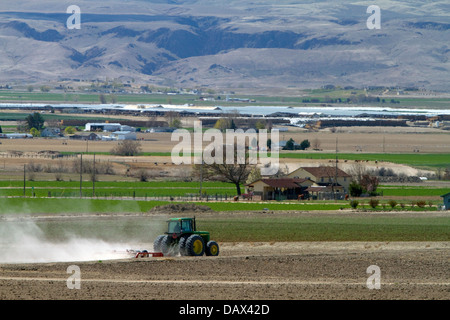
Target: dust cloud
[(25, 241)]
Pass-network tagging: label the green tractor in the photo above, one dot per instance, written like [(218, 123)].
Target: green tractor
[(183, 238)]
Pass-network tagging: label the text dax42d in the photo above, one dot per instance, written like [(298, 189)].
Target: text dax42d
[(226, 309)]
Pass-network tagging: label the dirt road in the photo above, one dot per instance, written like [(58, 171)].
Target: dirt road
[(244, 271)]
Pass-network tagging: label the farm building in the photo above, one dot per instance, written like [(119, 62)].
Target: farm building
[(16, 136), (85, 136), (446, 201), (123, 135), (320, 191), (51, 133), (102, 126), (279, 189), (302, 183), (108, 127), (324, 176)]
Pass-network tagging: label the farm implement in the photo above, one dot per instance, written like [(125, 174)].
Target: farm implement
[(144, 253)]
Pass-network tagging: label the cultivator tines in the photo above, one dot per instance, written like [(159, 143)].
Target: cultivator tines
[(145, 254)]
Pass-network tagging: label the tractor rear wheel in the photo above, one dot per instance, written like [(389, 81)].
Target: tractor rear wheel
[(166, 245), (212, 248), (195, 246), (182, 245), (157, 243)]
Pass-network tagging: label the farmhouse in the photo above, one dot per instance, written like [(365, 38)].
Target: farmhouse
[(280, 189), (323, 176), (303, 183), (446, 201)]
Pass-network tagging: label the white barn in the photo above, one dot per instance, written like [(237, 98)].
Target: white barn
[(102, 126), (123, 135)]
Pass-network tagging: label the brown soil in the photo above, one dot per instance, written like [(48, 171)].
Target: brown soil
[(180, 208), (266, 271)]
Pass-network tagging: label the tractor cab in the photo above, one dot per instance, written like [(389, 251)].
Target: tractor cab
[(178, 226)]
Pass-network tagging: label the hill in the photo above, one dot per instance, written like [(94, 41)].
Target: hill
[(228, 44)]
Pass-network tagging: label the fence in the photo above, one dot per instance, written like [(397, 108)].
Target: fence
[(37, 155), (132, 196)]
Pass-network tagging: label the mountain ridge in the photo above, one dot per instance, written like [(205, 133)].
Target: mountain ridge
[(187, 44)]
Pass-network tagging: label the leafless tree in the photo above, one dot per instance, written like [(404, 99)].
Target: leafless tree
[(316, 144), (235, 173), (127, 148)]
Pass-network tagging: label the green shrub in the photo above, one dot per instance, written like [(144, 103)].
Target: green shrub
[(354, 204), (373, 203), (392, 203), (421, 204)]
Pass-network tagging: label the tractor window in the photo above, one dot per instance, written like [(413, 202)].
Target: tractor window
[(174, 227), (186, 226)]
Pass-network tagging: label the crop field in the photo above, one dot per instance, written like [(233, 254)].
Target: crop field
[(114, 188), (190, 191), (330, 228), (318, 95), (230, 222), (419, 160), (405, 191)]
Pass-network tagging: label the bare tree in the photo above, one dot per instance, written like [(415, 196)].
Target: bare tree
[(127, 148), (235, 173), (358, 170), (316, 144)]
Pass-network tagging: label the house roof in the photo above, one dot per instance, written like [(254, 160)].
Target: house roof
[(319, 172), (445, 195), (284, 182)]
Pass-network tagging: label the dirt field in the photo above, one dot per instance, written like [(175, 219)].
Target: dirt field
[(247, 271), (351, 139)]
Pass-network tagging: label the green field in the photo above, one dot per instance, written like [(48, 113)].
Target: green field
[(320, 95), (327, 228), (229, 227), (18, 205), (114, 188), (402, 191), (14, 188), (419, 160)]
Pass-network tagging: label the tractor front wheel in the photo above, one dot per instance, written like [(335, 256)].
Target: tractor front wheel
[(195, 246), (212, 248)]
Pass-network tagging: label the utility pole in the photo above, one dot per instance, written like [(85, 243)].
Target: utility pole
[(201, 179), (336, 168), (81, 174), (93, 179), (24, 179)]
